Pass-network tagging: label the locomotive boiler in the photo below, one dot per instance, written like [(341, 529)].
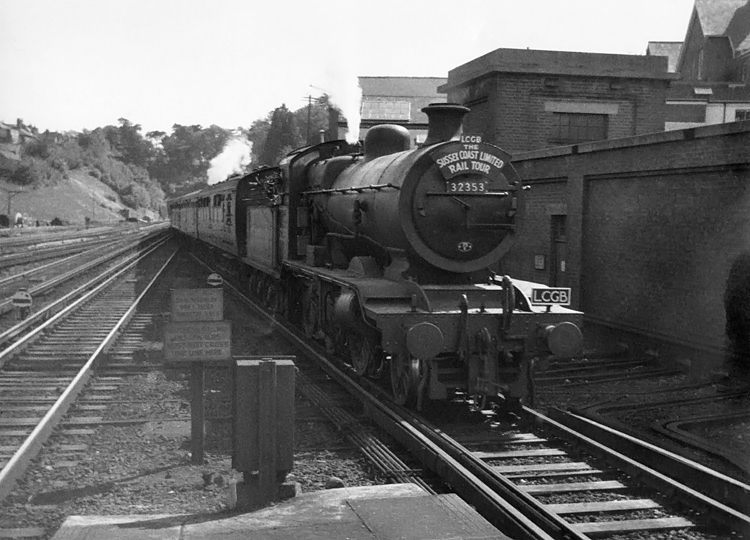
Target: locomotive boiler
[(385, 254)]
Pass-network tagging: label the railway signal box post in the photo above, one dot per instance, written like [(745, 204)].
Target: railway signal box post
[(197, 334), (263, 437)]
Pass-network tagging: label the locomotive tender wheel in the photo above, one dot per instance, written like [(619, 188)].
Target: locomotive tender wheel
[(404, 379)]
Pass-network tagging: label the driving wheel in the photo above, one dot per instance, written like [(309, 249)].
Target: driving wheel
[(362, 352), (309, 312)]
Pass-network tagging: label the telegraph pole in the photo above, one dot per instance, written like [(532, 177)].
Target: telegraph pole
[(309, 110)]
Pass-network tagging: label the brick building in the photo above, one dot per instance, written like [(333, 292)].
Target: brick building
[(12, 137), (525, 100), (643, 229), (713, 63)]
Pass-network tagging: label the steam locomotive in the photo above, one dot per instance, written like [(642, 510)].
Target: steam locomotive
[(383, 254)]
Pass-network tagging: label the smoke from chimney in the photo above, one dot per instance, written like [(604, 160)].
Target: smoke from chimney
[(342, 84), (235, 156)]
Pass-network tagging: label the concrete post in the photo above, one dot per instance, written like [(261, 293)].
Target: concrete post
[(263, 438)]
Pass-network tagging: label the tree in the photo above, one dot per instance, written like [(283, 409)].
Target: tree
[(256, 134), (185, 155), (281, 133), (128, 143), (312, 118)]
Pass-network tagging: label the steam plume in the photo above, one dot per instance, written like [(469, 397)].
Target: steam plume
[(233, 159), (345, 92)]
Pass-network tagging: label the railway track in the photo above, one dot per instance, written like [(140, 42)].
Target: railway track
[(54, 294), (46, 278), (42, 247), (665, 405), (52, 360), (551, 481), (21, 241)]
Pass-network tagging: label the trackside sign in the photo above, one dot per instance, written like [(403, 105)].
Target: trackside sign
[(197, 341), (559, 296), (197, 305)]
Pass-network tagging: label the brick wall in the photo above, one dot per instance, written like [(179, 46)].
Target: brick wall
[(689, 65), (653, 225), (508, 109)]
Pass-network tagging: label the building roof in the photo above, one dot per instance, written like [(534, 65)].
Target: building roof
[(528, 61), (716, 92), (401, 86), (738, 29), (715, 15), (670, 49), (727, 19)]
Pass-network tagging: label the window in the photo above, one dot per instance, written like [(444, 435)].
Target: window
[(574, 128), (741, 114), (386, 110)]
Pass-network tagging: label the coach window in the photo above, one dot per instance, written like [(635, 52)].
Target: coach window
[(228, 210), (206, 205), (216, 211)]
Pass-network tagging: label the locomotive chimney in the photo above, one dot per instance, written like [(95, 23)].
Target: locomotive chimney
[(444, 121)]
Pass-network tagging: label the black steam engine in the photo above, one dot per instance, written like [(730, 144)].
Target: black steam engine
[(385, 256)]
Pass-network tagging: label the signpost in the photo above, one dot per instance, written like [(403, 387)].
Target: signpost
[(196, 334), (198, 341), (197, 305)]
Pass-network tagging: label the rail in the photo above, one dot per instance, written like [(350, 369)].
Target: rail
[(31, 445)]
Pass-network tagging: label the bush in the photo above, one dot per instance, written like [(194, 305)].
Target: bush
[(35, 171), (47, 161)]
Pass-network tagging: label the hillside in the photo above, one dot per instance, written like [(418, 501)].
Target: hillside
[(72, 201)]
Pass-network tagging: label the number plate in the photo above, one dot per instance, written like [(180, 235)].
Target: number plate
[(466, 186)]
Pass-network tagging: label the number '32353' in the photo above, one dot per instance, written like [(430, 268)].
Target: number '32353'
[(466, 186)]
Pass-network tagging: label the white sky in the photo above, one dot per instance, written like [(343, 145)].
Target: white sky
[(82, 64)]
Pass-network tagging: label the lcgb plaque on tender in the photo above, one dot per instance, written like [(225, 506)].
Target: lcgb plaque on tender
[(198, 341)]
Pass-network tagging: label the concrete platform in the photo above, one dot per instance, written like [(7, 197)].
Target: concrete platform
[(392, 512)]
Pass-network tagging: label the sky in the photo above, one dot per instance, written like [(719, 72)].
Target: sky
[(82, 64)]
